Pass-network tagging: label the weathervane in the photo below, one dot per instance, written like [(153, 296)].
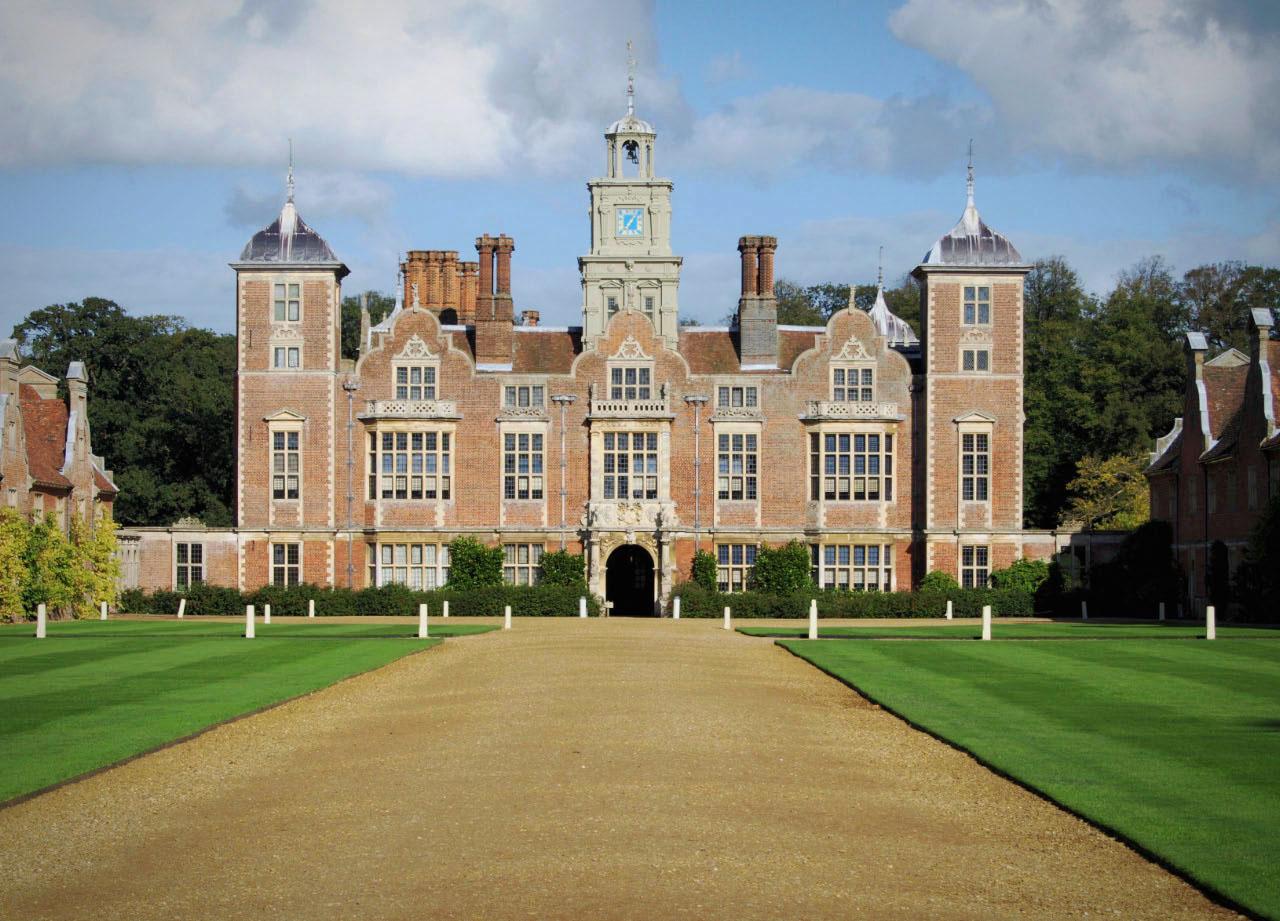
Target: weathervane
[(290, 180), (969, 183), (631, 80), (880, 270)]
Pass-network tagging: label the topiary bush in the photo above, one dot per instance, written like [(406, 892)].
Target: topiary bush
[(782, 570), (704, 570), (939, 582), (472, 564), (564, 568), (1023, 575)]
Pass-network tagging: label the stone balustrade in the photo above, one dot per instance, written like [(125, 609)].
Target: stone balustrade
[(837, 409), (411, 409)]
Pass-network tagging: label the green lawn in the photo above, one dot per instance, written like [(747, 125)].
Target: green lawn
[(96, 692), (1174, 745), (1016, 631)]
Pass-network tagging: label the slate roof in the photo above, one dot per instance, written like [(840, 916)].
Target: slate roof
[(44, 422)]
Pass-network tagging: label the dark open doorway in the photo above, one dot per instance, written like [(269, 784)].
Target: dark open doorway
[(628, 582)]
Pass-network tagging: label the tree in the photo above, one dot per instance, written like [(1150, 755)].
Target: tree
[(703, 570), (782, 570), (379, 306), (1258, 576), (1218, 297), (1108, 492), (473, 565), (14, 533), (161, 404), (563, 568), (98, 555), (51, 565)]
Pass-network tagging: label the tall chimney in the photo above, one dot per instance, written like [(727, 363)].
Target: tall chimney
[(484, 292), (363, 345), (8, 368), (78, 400), (758, 307), (467, 296), (434, 295), (494, 321), (451, 272)]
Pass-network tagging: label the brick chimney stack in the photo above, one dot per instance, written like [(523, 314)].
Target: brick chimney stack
[(467, 296), (8, 367), (757, 307), (495, 317)]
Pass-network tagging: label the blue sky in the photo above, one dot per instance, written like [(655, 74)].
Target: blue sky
[(145, 143)]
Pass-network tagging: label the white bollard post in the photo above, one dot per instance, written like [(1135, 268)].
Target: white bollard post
[(506, 618), (813, 618), (675, 609), (103, 615), (1084, 610), (1210, 624), (582, 606), (42, 622), (949, 609), (311, 607), (266, 613), (182, 607), (445, 612), (728, 622), (248, 621), (1162, 610), (422, 621), (986, 621)]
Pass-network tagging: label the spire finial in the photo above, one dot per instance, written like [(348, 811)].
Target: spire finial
[(290, 180), (631, 80), (969, 182), (880, 270)]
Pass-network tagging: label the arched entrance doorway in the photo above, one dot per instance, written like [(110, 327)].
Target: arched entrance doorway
[(628, 582)]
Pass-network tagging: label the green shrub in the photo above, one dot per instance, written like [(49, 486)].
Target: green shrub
[(1024, 575), (564, 568), (782, 570), (704, 570), (393, 599), (472, 564), (939, 581), (14, 533)]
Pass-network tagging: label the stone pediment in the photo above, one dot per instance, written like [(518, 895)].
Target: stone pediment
[(853, 350), (416, 349), (630, 350), (974, 416), (285, 415)]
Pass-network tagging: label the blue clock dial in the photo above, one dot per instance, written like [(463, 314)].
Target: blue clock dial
[(630, 222)]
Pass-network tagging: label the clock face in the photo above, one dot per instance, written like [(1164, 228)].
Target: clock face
[(630, 222)]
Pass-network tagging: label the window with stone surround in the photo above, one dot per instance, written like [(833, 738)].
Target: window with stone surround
[(286, 464), (287, 307), (415, 380), (410, 465), (853, 383), (850, 467), (522, 564), (736, 466), (977, 305), (419, 566), (288, 357), (852, 567), (190, 563), (630, 381), (734, 565), (523, 395), (975, 565), (976, 360), (975, 466), (522, 465), (735, 397), (286, 566), (630, 465)]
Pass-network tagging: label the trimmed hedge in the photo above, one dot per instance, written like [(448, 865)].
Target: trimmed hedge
[(484, 601), (696, 601)]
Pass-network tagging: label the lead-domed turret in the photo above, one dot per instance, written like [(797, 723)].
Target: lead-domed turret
[(971, 241)]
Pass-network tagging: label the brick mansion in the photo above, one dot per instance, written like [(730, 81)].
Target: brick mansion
[(630, 438)]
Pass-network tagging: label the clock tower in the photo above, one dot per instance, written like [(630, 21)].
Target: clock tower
[(630, 266)]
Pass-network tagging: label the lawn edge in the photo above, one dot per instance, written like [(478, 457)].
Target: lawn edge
[(1209, 891), (78, 778)]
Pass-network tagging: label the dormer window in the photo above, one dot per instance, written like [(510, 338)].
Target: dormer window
[(415, 382), (853, 383), (977, 305), (288, 303)]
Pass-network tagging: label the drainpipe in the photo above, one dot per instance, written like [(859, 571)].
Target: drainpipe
[(563, 401), (696, 401), (350, 385)]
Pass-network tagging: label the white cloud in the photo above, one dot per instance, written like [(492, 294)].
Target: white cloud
[(724, 68), (450, 88), (328, 194), (1117, 83)]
